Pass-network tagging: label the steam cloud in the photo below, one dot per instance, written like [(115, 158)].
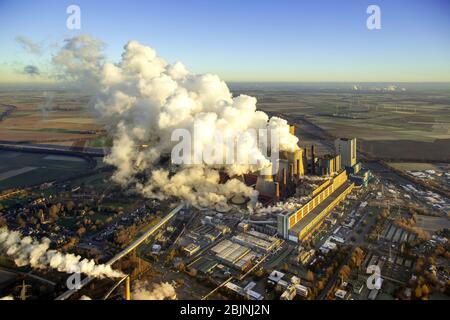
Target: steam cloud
[(27, 251), (31, 70), (161, 291), (29, 45), (7, 298), (142, 99)]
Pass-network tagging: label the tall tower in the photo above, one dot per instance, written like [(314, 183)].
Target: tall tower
[(347, 149)]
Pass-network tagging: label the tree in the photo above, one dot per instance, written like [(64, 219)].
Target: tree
[(344, 273), (2, 222), (418, 292), (53, 212), (310, 276), (425, 290), (81, 231), (70, 205), (419, 264), (21, 222), (320, 285), (357, 257)]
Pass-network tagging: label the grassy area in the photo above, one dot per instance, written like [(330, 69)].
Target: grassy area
[(413, 166), (101, 142)]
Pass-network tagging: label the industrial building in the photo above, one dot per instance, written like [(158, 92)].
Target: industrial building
[(279, 182), (290, 285), (234, 254), (245, 292), (329, 165), (298, 225), (347, 149), (257, 240)]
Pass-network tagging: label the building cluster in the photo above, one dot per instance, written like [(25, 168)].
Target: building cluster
[(289, 285), (344, 174)]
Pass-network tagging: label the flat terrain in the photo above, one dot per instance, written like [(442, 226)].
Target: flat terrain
[(408, 124), (20, 169), (50, 117), (414, 166), (413, 123)]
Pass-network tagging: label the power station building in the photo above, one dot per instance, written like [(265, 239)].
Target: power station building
[(328, 165), (279, 182), (300, 224), (347, 149)]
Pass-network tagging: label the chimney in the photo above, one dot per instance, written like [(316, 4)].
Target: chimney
[(128, 288), (277, 191), (313, 162)]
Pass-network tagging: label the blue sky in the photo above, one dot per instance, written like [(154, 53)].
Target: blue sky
[(247, 40)]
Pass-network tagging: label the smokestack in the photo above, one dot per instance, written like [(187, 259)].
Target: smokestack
[(128, 288), (313, 162), (292, 129), (277, 191)]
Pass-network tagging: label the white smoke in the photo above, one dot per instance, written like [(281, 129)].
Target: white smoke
[(7, 298), (142, 100), (290, 205), (84, 297), (145, 291), (27, 251)]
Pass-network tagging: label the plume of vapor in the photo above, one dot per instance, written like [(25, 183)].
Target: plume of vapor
[(84, 297), (289, 205), (46, 107), (31, 70), (160, 291), (7, 298), (29, 45), (142, 99), (27, 251)]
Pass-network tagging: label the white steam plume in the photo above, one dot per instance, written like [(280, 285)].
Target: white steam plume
[(7, 298), (161, 291), (27, 251), (142, 99)]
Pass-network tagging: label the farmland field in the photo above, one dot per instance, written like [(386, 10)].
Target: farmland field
[(412, 123), (20, 169)]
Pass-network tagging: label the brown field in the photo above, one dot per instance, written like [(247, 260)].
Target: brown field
[(56, 117)]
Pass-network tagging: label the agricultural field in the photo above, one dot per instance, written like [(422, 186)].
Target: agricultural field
[(50, 117), (20, 169), (414, 166), (409, 123)]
